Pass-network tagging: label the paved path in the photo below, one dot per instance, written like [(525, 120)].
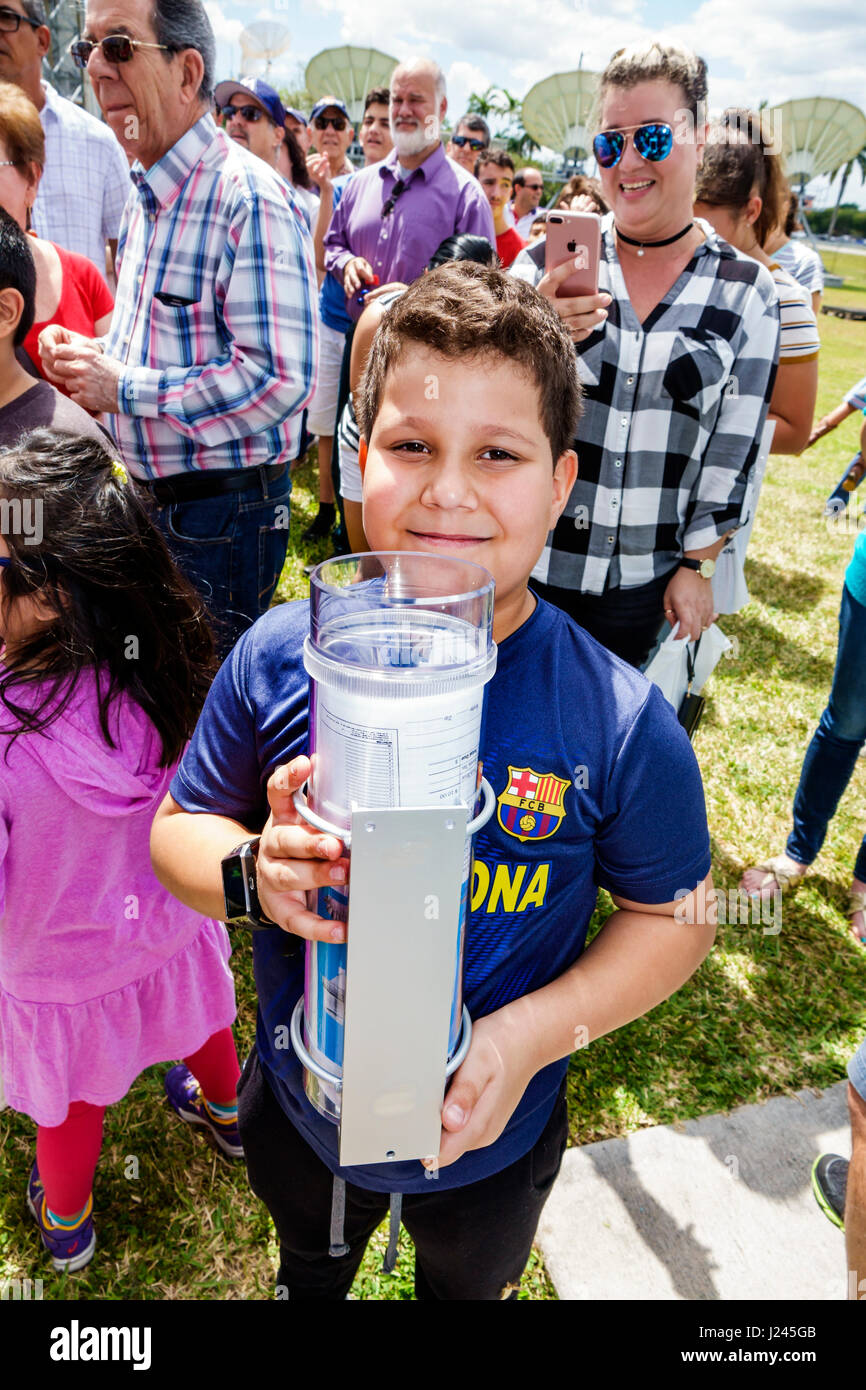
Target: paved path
[(718, 1208)]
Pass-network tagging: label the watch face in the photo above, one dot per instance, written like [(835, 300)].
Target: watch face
[(708, 568), (234, 886)]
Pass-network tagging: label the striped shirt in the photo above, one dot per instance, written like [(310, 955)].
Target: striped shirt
[(215, 318), (673, 413), (799, 341), (804, 263), (85, 182)]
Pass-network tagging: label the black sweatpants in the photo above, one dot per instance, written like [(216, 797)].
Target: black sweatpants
[(626, 621), (470, 1242)]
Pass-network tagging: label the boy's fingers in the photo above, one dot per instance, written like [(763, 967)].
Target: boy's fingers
[(283, 782), (298, 842), (293, 875), (293, 917)]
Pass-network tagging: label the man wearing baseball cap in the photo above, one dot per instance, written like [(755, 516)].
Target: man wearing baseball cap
[(332, 134), (254, 116)]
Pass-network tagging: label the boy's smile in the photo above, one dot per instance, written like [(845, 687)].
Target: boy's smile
[(458, 462)]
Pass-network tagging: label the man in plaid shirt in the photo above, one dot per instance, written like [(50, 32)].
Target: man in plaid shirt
[(211, 354)]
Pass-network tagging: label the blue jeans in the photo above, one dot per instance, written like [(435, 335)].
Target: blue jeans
[(232, 548), (831, 756)]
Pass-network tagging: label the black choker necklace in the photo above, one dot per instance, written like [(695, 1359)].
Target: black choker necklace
[(641, 244)]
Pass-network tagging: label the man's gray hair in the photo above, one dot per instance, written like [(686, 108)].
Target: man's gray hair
[(184, 24), (34, 9), (425, 65)]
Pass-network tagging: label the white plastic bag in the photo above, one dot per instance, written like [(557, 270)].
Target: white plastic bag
[(669, 667)]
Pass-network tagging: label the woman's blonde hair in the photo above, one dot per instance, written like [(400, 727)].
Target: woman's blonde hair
[(657, 62)]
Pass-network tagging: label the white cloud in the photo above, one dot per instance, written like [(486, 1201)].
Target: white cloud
[(226, 29)]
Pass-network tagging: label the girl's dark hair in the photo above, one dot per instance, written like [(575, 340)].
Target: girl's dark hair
[(82, 541), (739, 162), (464, 247), (300, 172)]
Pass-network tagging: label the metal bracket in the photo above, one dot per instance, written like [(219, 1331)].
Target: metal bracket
[(488, 806), (401, 970)]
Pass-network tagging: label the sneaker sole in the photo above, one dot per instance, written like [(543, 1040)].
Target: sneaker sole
[(73, 1264), (828, 1211), (231, 1150)]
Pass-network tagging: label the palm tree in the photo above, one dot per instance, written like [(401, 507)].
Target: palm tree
[(499, 102), (860, 160)]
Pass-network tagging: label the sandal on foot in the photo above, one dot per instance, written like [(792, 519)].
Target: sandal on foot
[(778, 868), (857, 903)]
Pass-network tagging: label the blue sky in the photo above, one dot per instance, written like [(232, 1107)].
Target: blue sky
[(773, 50)]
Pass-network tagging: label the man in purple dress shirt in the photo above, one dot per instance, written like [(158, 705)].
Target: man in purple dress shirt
[(394, 214)]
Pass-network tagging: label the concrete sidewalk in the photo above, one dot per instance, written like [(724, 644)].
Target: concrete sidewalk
[(718, 1208)]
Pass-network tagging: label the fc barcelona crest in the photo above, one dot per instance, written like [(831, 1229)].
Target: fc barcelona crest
[(531, 807)]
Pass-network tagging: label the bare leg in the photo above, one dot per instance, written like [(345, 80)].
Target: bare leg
[(354, 526), (855, 1200), (326, 485)]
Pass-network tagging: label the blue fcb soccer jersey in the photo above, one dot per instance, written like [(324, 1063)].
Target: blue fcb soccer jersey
[(596, 784)]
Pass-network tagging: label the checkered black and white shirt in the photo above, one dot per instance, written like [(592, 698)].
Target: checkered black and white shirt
[(673, 413), (85, 183)]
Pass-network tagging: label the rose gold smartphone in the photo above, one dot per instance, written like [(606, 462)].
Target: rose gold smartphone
[(574, 236)]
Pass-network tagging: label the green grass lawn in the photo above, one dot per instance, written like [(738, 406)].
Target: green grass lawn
[(765, 1014)]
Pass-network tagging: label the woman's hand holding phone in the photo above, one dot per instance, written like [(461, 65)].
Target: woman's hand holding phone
[(581, 315)]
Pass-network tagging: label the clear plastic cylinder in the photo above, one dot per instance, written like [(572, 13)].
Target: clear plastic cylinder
[(399, 651)]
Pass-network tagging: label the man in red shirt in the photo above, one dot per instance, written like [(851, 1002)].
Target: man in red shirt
[(494, 170)]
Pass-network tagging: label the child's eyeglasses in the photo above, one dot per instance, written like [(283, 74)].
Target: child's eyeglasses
[(461, 140), (322, 122), (653, 142), (116, 48), (249, 113)]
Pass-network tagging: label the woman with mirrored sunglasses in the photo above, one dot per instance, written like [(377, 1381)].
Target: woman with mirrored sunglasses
[(666, 442)]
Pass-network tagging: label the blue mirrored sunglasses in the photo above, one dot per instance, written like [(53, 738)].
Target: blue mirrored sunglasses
[(653, 142)]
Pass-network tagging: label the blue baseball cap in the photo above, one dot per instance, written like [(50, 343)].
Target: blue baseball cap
[(298, 115), (325, 103), (263, 95)]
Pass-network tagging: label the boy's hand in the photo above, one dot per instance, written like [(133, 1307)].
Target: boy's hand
[(486, 1090), (581, 315), (294, 858)]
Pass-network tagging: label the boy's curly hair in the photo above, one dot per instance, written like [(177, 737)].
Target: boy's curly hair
[(462, 309)]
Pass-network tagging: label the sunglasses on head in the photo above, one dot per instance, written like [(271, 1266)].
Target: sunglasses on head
[(116, 48), (653, 141), (322, 122), (461, 140), (249, 113)]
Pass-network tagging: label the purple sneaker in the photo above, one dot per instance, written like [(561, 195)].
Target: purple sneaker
[(69, 1249), (185, 1097)]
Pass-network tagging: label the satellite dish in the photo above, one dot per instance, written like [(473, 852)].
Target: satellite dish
[(557, 112), (263, 41), (818, 135), (348, 73)]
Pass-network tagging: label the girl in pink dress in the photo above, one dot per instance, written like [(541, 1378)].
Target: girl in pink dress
[(106, 662)]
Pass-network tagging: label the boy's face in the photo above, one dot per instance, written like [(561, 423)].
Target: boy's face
[(458, 463), (497, 183)]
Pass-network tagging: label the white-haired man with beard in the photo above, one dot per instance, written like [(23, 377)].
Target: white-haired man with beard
[(394, 215)]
